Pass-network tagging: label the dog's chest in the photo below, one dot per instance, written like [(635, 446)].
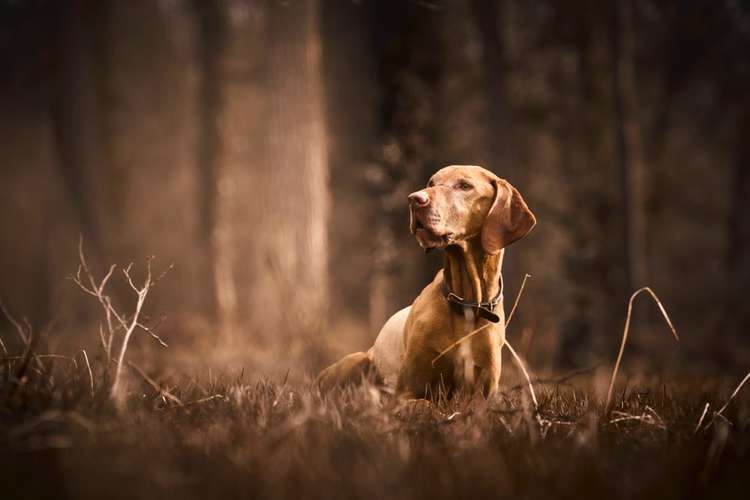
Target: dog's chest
[(472, 355)]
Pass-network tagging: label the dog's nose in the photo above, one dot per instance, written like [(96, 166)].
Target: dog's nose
[(419, 199)]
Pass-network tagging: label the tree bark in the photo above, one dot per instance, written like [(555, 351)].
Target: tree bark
[(738, 256), (294, 283), (75, 118), (629, 146), (488, 16), (271, 219), (361, 284), (212, 39)]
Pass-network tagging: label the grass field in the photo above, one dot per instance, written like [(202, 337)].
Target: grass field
[(239, 436), (103, 427)]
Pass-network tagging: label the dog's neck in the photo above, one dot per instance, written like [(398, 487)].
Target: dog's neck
[(470, 272)]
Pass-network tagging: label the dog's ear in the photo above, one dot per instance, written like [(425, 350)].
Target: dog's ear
[(508, 220)]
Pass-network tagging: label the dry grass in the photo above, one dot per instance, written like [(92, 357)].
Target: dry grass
[(63, 434), (236, 436)]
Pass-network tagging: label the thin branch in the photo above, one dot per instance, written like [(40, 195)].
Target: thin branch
[(8, 367), (163, 273), (91, 375), (154, 385), (152, 331), (115, 320), (25, 336), (142, 293)]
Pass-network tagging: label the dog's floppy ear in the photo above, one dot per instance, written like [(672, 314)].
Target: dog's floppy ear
[(508, 220)]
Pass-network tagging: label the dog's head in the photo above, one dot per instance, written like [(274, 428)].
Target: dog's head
[(464, 201)]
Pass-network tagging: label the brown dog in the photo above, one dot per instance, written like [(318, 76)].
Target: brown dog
[(473, 215)]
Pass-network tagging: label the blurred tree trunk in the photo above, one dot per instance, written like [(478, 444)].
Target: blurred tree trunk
[(147, 88), (359, 285), (296, 218), (488, 15), (212, 33), (406, 68), (464, 125), (739, 226), (629, 147), (76, 118), (271, 215)]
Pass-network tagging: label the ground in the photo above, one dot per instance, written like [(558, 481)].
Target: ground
[(240, 436)]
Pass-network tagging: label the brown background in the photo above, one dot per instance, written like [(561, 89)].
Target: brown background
[(267, 148)]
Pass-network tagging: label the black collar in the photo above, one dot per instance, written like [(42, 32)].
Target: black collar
[(483, 309)]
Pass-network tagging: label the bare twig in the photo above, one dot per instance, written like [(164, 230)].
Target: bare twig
[(23, 334), (45, 356), (21, 370), (627, 329), (103, 341), (155, 386), (91, 375), (116, 321), (152, 331), (142, 293), (7, 362), (97, 290)]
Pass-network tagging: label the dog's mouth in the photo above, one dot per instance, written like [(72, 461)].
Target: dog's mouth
[(426, 232)]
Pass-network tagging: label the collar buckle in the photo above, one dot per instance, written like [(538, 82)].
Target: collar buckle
[(483, 309)]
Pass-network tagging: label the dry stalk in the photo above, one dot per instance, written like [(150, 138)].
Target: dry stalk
[(652, 419), (25, 335), (700, 420), (155, 386), (734, 394), (91, 375), (205, 400), (518, 298), (458, 342), (720, 413), (627, 329), (520, 364)]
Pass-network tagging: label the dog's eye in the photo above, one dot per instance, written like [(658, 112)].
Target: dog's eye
[(464, 186), (431, 184)]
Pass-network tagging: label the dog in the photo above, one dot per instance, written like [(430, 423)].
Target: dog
[(473, 215)]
